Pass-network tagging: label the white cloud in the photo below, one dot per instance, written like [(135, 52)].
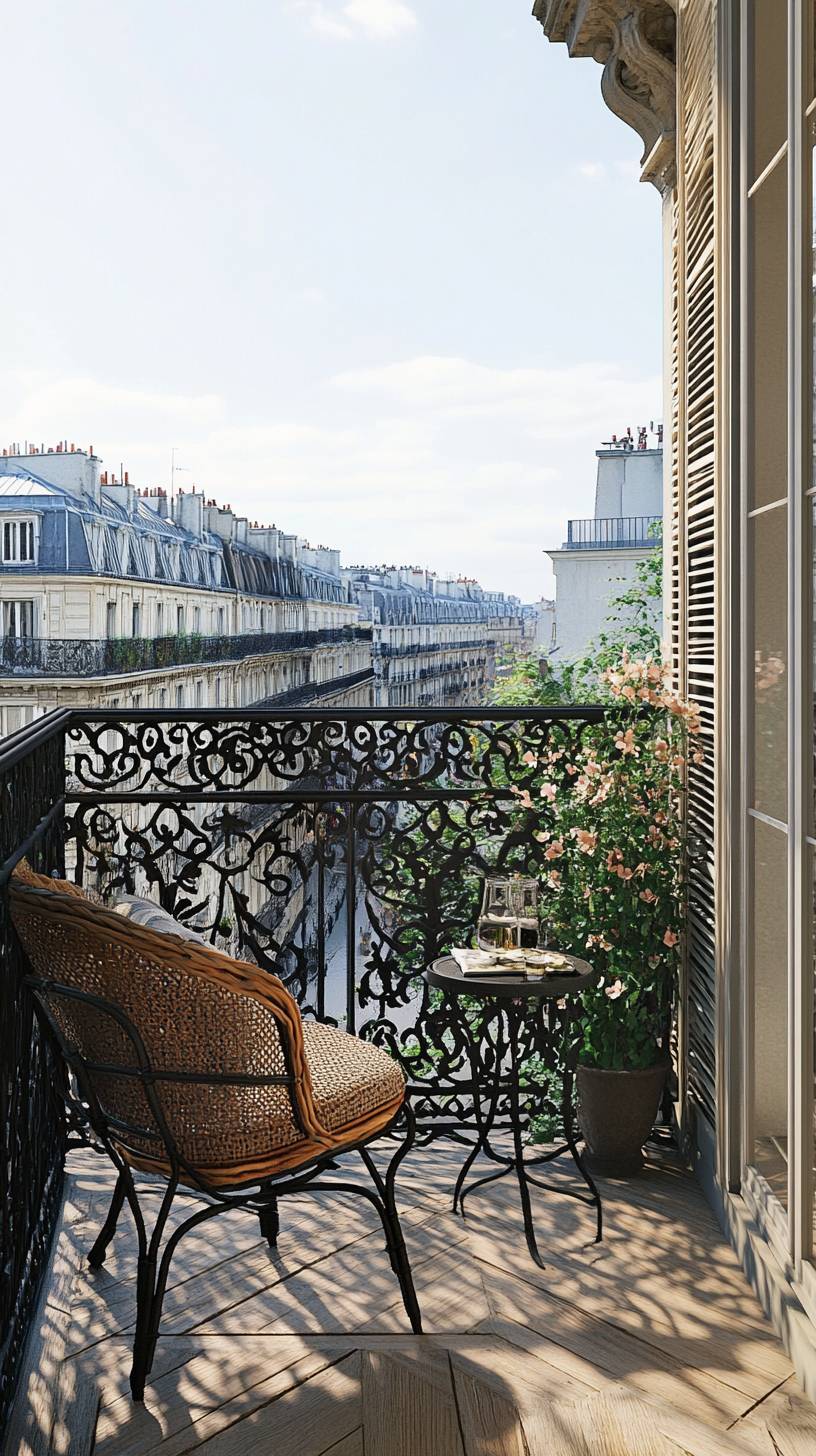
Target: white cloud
[(594, 171), (445, 461), (373, 19)]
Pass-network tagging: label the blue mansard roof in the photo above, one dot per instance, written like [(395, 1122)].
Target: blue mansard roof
[(410, 605), (80, 537)]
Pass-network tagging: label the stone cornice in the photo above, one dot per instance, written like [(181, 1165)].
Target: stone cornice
[(634, 42)]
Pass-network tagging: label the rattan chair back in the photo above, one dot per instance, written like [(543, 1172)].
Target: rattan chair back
[(191, 1062)]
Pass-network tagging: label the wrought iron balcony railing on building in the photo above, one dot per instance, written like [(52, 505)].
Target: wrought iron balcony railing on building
[(64, 657), (311, 692), (610, 532), (419, 649), (340, 849)]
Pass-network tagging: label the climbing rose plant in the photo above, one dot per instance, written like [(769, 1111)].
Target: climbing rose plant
[(611, 827)]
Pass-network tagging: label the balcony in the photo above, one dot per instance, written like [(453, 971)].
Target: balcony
[(276, 834), (34, 657), (609, 533), (312, 692), (420, 649)]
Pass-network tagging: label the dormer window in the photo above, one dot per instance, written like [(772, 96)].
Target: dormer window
[(19, 538)]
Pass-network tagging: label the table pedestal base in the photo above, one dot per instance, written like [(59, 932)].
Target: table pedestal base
[(506, 1085)]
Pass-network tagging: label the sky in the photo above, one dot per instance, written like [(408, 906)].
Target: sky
[(381, 271)]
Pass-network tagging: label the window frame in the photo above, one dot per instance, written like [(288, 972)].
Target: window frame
[(12, 525)]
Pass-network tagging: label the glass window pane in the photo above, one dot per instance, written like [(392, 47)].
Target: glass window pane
[(767, 416), (812, 867), (768, 567), (769, 853), (768, 79)]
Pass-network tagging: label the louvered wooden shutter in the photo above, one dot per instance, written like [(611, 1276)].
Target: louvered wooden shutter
[(674, 529), (696, 509)]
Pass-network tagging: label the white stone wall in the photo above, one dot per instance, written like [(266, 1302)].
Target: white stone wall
[(586, 583), (76, 608)]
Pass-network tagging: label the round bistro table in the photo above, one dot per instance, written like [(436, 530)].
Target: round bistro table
[(510, 997)]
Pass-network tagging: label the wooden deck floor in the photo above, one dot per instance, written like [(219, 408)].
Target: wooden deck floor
[(648, 1344)]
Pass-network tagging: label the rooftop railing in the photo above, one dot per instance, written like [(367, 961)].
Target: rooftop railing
[(341, 849), (65, 657), (609, 532)]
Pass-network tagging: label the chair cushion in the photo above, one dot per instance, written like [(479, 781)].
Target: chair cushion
[(146, 912), (351, 1079)]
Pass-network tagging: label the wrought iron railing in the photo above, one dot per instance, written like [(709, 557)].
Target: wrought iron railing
[(341, 849), (419, 649), (312, 692), (613, 531), (32, 783), (64, 657)]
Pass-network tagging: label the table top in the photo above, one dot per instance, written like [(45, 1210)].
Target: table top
[(446, 975)]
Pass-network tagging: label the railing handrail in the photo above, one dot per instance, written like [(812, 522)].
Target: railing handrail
[(20, 743), (592, 712), (601, 520)]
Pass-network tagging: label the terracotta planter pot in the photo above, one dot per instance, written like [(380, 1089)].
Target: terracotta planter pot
[(616, 1112)]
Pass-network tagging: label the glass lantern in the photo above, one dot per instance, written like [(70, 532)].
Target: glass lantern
[(509, 917)]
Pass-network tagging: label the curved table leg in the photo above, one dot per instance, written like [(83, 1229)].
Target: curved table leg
[(483, 1124), (508, 1082), (514, 1022)]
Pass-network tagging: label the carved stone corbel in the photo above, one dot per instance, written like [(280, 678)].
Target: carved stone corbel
[(634, 40)]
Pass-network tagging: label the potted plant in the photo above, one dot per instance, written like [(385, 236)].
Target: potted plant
[(610, 813)]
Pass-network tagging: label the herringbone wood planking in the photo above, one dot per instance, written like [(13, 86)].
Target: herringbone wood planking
[(653, 1338)]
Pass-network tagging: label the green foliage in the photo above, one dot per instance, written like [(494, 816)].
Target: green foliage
[(610, 821), (620, 904), (630, 630)]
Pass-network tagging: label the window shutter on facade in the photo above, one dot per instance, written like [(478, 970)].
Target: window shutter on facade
[(692, 569)]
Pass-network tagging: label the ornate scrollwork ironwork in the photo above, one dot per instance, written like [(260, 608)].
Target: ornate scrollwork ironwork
[(66, 657), (344, 853), (32, 781)]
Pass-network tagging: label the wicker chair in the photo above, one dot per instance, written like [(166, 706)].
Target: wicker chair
[(199, 1068)]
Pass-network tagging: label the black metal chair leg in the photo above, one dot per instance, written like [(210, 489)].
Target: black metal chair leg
[(403, 1265), (400, 1262), (140, 1368), (379, 1184), (148, 1296), (386, 1207), (96, 1257), (269, 1219)]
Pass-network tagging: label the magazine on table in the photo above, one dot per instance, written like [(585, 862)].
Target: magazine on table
[(512, 962)]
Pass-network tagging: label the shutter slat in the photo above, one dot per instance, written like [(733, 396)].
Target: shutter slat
[(695, 504)]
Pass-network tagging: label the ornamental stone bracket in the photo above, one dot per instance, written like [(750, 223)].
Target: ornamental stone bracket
[(634, 41)]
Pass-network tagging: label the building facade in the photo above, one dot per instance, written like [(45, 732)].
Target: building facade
[(723, 95), (115, 597), (600, 556), (437, 642)]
